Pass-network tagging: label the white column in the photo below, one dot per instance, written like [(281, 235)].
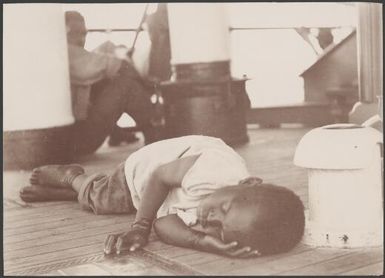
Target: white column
[(370, 51), (199, 32), (370, 62), (36, 79)]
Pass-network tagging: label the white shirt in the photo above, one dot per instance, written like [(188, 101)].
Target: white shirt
[(217, 166)]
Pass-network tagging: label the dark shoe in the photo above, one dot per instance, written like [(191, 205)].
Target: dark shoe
[(120, 135)]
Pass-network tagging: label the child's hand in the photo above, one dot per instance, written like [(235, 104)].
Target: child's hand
[(128, 241), (212, 244)]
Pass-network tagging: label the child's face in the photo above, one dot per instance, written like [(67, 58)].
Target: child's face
[(227, 217)]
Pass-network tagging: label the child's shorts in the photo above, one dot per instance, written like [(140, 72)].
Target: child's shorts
[(106, 194)]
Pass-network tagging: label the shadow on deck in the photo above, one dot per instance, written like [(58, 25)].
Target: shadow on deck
[(58, 238)]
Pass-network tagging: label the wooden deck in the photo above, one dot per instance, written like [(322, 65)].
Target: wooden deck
[(58, 238)]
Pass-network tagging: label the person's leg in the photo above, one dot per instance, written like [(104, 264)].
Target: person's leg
[(56, 175), (102, 194), (109, 99), (138, 103), (105, 108), (52, 183)]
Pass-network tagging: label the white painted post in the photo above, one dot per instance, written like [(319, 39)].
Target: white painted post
[(36, 92), (345, 185), (199, 32), (36, 77)]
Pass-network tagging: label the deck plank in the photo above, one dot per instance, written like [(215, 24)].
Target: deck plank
[(47, 231), (372, 269), (16, 215), (61, 242), (59, 235), (289, 261), (57, 223), (61, 216), (62, 258), (223, 265), (359, 258)]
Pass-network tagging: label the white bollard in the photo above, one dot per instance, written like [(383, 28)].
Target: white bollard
[(345, 185)]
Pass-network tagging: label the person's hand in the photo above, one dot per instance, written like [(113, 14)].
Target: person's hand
[(130, 52), (128, 241), (214, 245)]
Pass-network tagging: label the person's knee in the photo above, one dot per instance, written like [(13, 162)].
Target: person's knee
[(110, 195), (127, 70)]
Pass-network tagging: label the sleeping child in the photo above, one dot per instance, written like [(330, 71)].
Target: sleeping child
[(195, 191)]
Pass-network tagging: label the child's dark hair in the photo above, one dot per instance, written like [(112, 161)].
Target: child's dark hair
[(280, 223)]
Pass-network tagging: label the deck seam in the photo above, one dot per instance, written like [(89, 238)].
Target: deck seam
[(317, 262), (53, 229), (168, 264), (356, 268), (56, 266), (94, 235), (142, 255)]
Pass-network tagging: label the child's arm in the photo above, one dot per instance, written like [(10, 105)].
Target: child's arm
[(172, 230), (161, 181)]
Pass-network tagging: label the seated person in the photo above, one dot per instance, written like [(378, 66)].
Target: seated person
[(103, 86), (195, 190)]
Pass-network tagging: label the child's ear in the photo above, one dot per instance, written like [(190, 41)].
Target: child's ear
[(251, 181)]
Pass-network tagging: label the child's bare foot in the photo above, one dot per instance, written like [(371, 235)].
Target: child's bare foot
[(55, 175), (38, 193)]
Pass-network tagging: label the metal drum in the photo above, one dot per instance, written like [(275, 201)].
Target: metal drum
[(212, 108)]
